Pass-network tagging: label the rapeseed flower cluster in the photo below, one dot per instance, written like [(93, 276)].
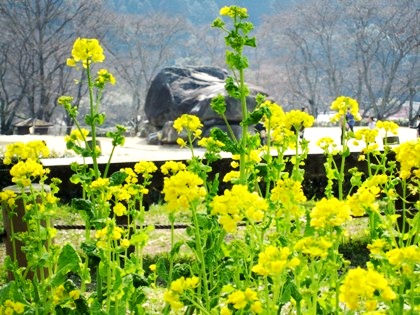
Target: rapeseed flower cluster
[(100, 184), (145, 168), (237, 203), (172, 167), (241, 300), (407, 154), (178, 287), (364, 199), (288, 196), (61, 296), (273, 261), (296, 119), (110, 233), (377, 247), (405, 259), (9, 307), (231, 177), (77, 135), (341, 105), (183, 189), (211, 144), (276, 116), (368, 136), (9, 197), (362, 289), (387, 126), (131, 175), (329, 213), (234, 11), (104, 77), (86, 51), (25, 172), (20, 151), (189, 123), (315, 247)]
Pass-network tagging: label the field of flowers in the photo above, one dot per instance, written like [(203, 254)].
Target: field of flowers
[(258, 247)]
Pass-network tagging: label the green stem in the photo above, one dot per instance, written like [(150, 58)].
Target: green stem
[(229, 128), (244, 127), (108, 275), (200, 256), (109, 162), (93, 124), (314, 288), (171, 260)]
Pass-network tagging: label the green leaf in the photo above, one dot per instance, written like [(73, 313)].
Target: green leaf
[(251, 42), (222, 136), (83, 205), (68, 261), (175, 249), (231, 88), (162, 269), (117, 178), (255, 116), (218, 104)]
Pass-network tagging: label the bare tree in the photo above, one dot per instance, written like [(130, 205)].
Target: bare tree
[(43, 32), (148, 43), (365, 49), (386, 47)]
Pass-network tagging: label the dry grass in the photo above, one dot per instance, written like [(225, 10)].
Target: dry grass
[(353, 247)]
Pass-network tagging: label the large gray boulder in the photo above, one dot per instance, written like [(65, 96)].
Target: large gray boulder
[(176, 91)]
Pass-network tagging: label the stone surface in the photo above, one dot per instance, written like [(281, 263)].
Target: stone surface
[(176, 91)]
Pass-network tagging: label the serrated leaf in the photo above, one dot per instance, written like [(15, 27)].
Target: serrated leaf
[(229, 145), (117, 178)]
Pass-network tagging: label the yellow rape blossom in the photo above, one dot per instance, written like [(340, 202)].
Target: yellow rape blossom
[(387, 126), (360, 287), (20, 151), (86, 51), (404, 258), (295, 119), (288, 195), (234, 11), (25, 171), (341, 105), (276, 118), (100, 183), (9, 197), (131, 175), (172, 299), (273, 261), (145, 167), (104, 77), (326, 144), (182, 189), (236, 204), (329, 213), (407, 154), (77, 135), (211, 144), (364, 199), (120, 209), (177, 288), (74, 294), (10, 307), (315, 247), (172, 167), (240, 299), (188, 122), (377, 247)]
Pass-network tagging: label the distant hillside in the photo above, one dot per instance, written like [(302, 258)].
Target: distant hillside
[(197, 11)]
